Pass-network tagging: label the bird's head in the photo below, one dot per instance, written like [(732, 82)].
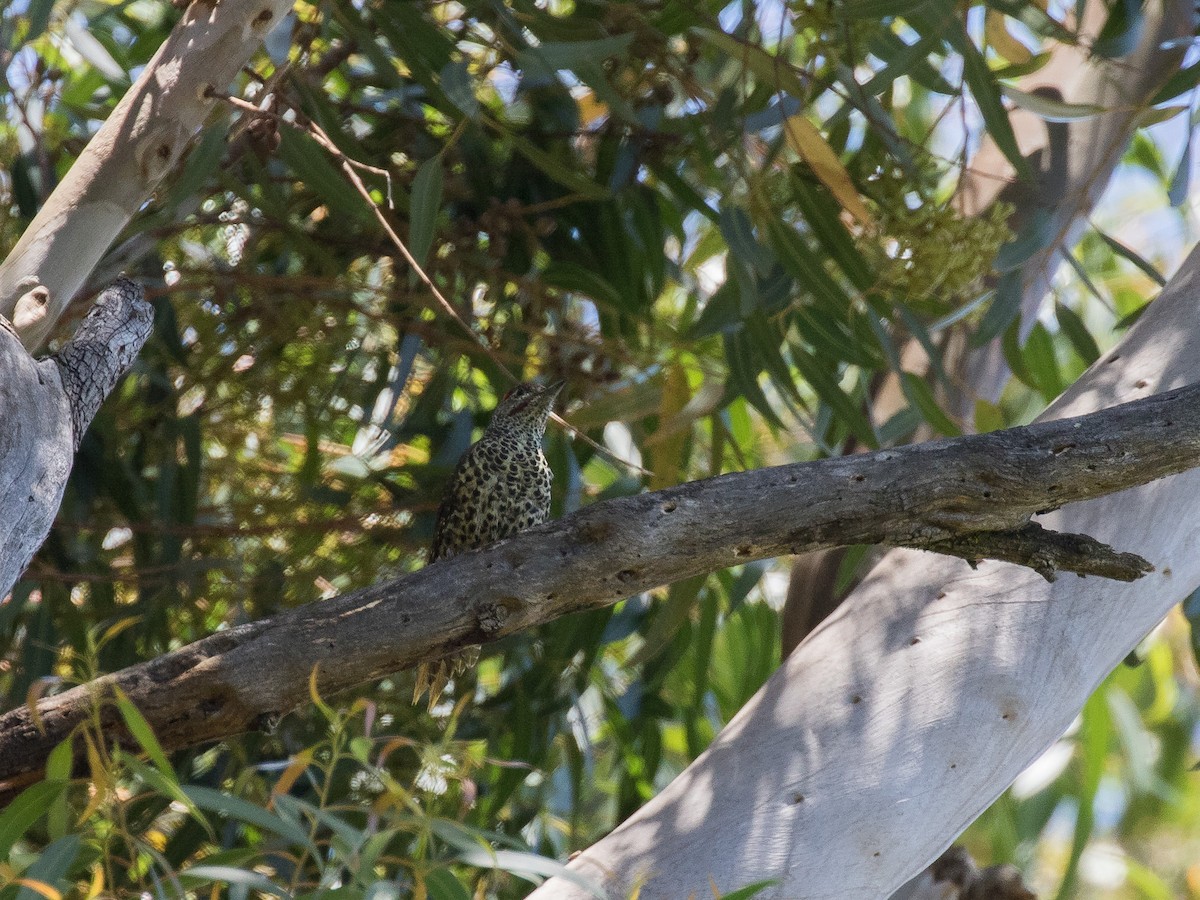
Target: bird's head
[(526, 406)]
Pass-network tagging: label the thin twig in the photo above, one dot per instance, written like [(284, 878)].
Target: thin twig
[(350, 167)]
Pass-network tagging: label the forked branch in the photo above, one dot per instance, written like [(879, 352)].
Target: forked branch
[(974, 496)]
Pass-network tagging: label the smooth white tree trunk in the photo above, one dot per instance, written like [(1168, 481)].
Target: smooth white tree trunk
[(903, 716), (137, 146)]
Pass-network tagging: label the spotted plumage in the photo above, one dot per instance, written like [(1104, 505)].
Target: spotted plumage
[(500, 487)]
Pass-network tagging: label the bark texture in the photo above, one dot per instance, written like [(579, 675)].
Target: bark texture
[(46, 406), (968, 495), (144, 138), (909, 710)]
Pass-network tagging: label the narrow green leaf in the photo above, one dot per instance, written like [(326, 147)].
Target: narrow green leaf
[(1081, 339), (1178, 191), (667, 618), (442, 885), (821, 213), (1036, 19), (166, 785), (202, 162), (424, 205), (685, 192), (524, 865), (721, 313), (1139, 745), (198, 876), (311, 164), (1084, 277), (1134, 257), (92, 50), (1191, 611), (879, 120), (743, 373), (52, 866), (559, 171), (39, 18), (1092, 746), (1131, 317), (986, 92), (578, 279), (826, 386), (1145, 152), (880, 9), (1179, 83), (240, 810), (907, 59), (738, 231), (556, 55), (1042, 363), (351, 837), (750, 890), (921, 397), (829, 338), (1156, 115), (58, 768), (1020, 70), (1050, 109), (456, 84), (1121, 30), (771, 70), (764, 332), (1003, 311), (143, 733), (18, 817), (24, 190), (806, 267)]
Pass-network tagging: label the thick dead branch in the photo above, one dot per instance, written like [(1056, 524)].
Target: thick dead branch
[(1046, 552), (908, 711), (47, 404), (141, 142), (925, 495)]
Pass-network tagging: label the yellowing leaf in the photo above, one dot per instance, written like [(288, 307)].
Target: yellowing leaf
[(325, 709), (294, 770), (807, 141), (96, 888), (998, 36), (40, 887), (100, 781), (667, 457), (590, 109)]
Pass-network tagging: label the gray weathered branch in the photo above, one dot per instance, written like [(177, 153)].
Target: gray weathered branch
[(46, 405), (908, 711), (923, 495), (104, 347)]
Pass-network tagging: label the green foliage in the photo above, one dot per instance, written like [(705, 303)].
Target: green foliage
[(723, 225)]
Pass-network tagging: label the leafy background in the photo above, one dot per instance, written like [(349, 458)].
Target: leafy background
[(722, 224)]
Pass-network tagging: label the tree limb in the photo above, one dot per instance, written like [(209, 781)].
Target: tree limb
[(907, 712), (926, 495), (144, 138), (47, 405)]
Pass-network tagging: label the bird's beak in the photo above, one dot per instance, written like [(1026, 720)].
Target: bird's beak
[(550, 394)]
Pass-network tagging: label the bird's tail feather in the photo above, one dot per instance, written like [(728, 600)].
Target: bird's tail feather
[(434, 676)]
